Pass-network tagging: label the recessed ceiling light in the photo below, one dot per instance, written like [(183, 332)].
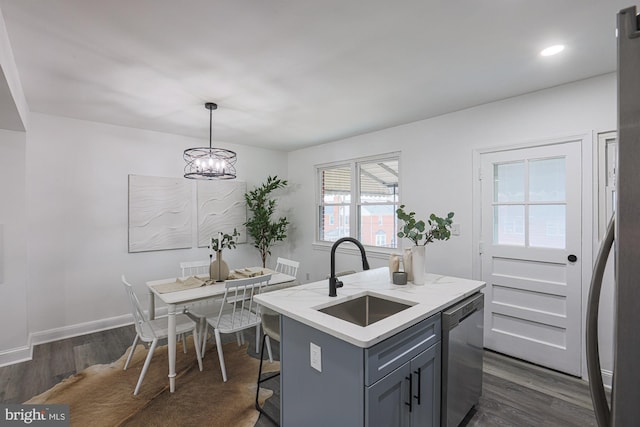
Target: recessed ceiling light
[(552, 50)]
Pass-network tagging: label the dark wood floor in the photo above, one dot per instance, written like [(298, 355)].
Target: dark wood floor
[(515, 393)]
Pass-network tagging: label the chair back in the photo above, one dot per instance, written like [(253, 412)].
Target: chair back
[(194, 268), (238, 309), (287, 266), (139, 319)]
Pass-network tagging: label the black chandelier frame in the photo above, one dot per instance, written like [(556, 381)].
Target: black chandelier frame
[(210, 162)]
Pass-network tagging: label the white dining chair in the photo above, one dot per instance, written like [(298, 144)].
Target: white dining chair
[(200, 310), (151, 331), (194, 268), (287, 266), (243, 313)]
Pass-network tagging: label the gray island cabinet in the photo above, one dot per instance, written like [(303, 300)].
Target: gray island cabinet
[(393, 383), (336, 373)]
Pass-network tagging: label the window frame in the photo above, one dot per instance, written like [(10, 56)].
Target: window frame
[(355, 204)]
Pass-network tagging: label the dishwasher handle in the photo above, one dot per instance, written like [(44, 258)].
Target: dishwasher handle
[(456, 314)]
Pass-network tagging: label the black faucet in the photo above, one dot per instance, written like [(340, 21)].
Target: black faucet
[(333, 282)]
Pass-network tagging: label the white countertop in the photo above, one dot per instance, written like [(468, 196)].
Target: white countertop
[(302, 302)]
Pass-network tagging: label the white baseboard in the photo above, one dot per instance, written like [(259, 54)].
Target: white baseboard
[(23, 354), (71, 331), (16, 355)]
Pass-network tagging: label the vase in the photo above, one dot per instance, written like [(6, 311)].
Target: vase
[(219, 270), (394, 265), (407, 264), (417, 261)]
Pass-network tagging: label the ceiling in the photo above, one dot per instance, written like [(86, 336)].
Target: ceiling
[(287, 74)]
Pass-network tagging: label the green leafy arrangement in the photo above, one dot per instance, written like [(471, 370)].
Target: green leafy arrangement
[(228, 241), (438, 228), (261, 227)]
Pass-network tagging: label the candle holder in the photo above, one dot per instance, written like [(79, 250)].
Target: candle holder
[(399, 278)]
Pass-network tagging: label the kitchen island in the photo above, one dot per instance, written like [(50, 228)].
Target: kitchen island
[(335, 372)]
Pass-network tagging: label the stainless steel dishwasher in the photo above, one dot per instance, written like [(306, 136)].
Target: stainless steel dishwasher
[(462, 350)]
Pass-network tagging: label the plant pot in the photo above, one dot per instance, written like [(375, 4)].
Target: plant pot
[(418, 264), (219, 270)]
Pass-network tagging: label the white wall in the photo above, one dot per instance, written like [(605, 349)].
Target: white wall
[(436, 163), (14, 111), (76, 198), (77, 208), (13, 247)]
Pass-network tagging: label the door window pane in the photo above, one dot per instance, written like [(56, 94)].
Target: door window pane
[(547, 180), (509, 182), (547, 226), (508, 225)]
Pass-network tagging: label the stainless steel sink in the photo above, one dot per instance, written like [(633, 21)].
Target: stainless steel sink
[(365, 310)]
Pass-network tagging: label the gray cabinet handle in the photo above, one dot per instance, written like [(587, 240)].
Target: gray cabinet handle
[(419, 373), (410, 403)]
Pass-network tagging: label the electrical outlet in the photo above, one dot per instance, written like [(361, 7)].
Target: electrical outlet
[(455, 229), (315, 354)]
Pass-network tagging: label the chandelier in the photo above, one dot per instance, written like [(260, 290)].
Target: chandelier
[(209, 162)]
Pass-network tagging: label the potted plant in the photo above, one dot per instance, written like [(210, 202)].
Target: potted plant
[(219, 270), (421, 233), (261, 227)]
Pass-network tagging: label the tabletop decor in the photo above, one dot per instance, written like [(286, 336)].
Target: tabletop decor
[(439, 228), (219, 270), (262, 229)]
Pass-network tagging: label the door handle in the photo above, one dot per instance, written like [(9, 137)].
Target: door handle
[(410, 403), (572, 258), (419, 372)]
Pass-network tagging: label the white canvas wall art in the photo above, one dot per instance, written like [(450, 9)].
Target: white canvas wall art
[(221, 208), (160, 212)]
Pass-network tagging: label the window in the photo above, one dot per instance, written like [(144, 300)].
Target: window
[(530, 203), (365, 191)]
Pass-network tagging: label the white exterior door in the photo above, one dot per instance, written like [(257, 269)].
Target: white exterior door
[(531, 253)]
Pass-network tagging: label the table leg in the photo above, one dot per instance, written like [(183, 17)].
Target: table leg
[(152, 305), (172, 346)]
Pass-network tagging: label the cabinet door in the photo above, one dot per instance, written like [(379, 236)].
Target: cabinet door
[(387, 401), (425, 369)]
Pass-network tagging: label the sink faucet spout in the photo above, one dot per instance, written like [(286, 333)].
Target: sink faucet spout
[(334, 283)]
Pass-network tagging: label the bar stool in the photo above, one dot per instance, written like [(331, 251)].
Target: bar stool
[(271, 330)]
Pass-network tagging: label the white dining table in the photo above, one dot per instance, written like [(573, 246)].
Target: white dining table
[(188, 296)]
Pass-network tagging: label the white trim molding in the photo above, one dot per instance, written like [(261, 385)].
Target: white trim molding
[(25, 353)]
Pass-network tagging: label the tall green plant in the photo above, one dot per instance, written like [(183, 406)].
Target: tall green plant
[(260, 227)]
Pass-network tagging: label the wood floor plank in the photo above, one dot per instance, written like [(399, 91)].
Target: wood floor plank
[(515, 393), (537, 378)]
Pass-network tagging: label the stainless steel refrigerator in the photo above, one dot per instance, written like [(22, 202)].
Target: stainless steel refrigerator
[(624, 235)]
